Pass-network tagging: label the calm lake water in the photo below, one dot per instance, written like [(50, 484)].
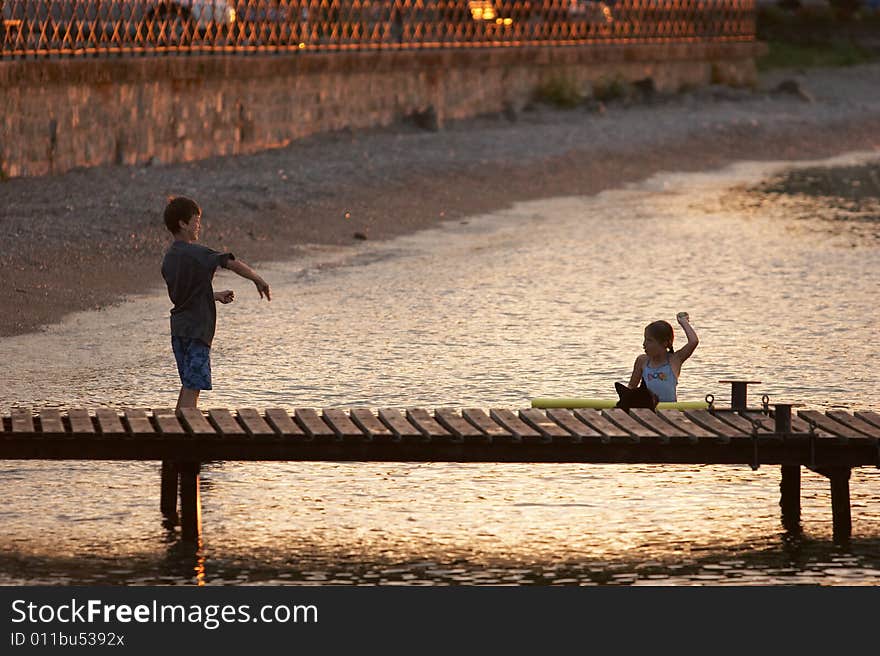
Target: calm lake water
[(545, 299)]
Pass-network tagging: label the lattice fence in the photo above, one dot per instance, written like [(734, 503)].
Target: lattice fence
[(33, 28)]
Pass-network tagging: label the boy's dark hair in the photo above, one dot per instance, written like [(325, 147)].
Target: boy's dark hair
[(179, 209)]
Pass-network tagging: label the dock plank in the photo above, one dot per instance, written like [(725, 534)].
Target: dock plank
[(743, 424), (857, 424), (50, 423), (707, 420), (284, 425), (139, 424), (595, 420), (342, 425), (578, 429), (549, 429), (255, 425), (767, 424), (399, 425), (22, 420), (109, 423), (800, 425), (518, 428), (80, 422), (194, 422), (313, 425), (667, 431), (370, 424), (168, 422), (486, 424), (828, 427), (428, 425), (629, 424), (225, 423), (682, 422), (869, 416), (458, 426)]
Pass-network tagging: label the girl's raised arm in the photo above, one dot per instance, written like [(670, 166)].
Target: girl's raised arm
[(687, 350)]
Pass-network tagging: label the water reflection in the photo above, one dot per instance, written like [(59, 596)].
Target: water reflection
[(775, 559), (548, 298)]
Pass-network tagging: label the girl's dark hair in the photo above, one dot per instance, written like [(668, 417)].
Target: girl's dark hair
[(662, 332), (180, 209)]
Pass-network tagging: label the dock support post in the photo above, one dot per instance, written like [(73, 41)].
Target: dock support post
[(190, 504), (841, 514), (168, 500), (790, 497), (790, 483), (840, 506)]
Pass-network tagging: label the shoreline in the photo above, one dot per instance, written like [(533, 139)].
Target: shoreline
[(90, 238)]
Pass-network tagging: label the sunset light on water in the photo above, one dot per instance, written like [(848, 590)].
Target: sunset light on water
[(546, 298)]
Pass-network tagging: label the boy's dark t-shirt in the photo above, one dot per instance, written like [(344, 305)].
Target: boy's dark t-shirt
[(188, 270)]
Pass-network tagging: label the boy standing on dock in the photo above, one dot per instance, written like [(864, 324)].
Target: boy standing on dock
[(188, 269)]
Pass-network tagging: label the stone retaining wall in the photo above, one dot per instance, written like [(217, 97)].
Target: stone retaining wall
[(63, 114)]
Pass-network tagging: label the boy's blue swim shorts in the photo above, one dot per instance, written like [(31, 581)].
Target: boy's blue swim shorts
[(193, 362)]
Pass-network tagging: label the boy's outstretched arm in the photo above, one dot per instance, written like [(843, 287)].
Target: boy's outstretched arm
[(245, 271), (687, 350)]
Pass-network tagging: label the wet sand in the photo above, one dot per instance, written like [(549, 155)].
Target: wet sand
[(88, 238)]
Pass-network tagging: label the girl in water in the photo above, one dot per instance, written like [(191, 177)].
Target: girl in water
[(660, 365)]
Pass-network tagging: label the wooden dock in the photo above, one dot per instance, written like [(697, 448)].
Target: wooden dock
[(831, 442)]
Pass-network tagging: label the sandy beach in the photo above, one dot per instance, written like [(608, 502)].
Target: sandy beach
[(88, 238)]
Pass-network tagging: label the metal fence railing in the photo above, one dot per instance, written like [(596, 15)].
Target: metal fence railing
[(33, 28)]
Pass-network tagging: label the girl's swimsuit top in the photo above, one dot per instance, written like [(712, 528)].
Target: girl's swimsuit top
[(660, 380)]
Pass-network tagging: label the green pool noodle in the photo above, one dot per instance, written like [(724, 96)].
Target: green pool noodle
[(601, 404)]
